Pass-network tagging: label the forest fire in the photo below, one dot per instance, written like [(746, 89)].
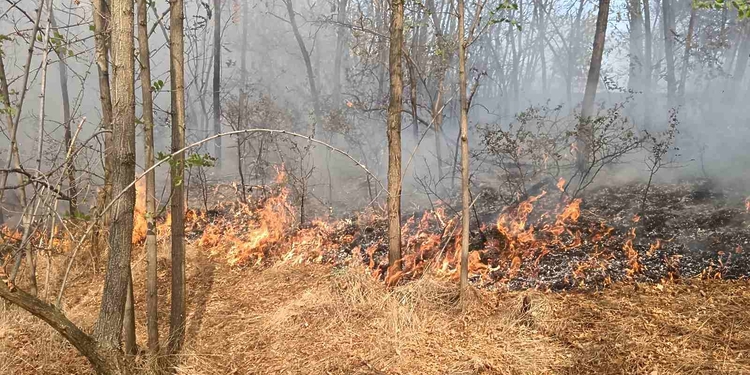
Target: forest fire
[(525, 244)]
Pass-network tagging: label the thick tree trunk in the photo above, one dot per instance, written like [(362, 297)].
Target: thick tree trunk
[(464, 125), (217, 79), (177, 171), (585, 129), (668, 27), (108, 330), (394, 136), (152, 296)]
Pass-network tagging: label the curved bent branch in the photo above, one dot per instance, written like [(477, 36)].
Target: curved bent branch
[(190, 146), (57, 320)]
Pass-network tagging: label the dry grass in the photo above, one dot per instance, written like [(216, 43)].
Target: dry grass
[(319, 320)]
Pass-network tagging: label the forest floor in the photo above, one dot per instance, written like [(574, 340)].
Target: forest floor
[(314, 319), (285, 318)]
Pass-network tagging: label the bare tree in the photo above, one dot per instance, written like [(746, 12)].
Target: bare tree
[(308, 64), (177, 171), (669, 33), (108, 330), (394, 135), (585, 129), (152, 296), (217, 78)]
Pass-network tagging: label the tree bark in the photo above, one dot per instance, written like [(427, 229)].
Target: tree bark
[(108, 330), (101, 45), (217, 79), (341, 38), (177, 171), (152, 296), (668, 27), (57, 320), (742, 58), (129, 318), (308, 65), (648, 63), (464, 129), (69, 147), (14, 158), (13, 123), (635, 79), (394, 136), (686, 55), (585, 129)]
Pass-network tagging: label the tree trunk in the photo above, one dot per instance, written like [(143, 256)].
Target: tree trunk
[(585, 129), (108, 330), (648, 63), (742, 58), (152, 295), (14, 157), (635, 79), (129, 318), (177, 171), (668, 27), (341, 38), (56, 319), (394, 136), (14, 123), (308, 64), (464, 125), (101, 43), (217, 78), (69, 147), (686, 56), (413, 87)]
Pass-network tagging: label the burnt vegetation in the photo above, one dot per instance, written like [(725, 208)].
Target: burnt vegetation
[(388, 187)]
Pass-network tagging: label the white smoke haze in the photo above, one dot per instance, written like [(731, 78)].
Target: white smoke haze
[(541, 58)]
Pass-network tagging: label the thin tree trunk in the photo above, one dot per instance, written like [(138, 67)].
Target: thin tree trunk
[(742, 58), (14, 158), (668, 27), (394, 136), (648, 63), (101, 42), (585, 130), (635, 76), (108, 330), (217, 78), (13, 125), (308, 64), (464, 125), (341, 38), (686, 55), (177, 171), (152, 296), (129, 318), (413, 87), (70, 167)]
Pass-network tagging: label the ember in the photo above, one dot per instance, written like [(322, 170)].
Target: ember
[(535, 244)]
